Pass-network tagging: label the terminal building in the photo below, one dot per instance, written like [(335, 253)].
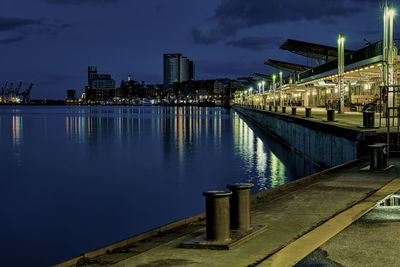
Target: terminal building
[(318, 86), (342, 79)]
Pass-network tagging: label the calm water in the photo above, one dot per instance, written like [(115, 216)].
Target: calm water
[(78, 178)]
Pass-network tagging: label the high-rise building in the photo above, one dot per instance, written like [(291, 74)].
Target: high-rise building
[(100, 88), (177, 68)]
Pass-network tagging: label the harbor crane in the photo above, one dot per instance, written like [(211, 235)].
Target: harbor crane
[(12, 95), (3, 91), (26, 94)]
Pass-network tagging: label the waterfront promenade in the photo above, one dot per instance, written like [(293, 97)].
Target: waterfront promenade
[(350, 120)]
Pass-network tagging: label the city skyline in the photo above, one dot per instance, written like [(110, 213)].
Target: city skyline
[(53, 44)]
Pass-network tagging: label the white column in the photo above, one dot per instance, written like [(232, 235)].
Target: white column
[(341, 72), (280, 89), (273, 87), (388, 52)]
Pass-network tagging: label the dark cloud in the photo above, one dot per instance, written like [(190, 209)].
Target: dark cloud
[(79, 2), (7, 24), (11, 40), (22, 27), (233, 15), (256, 43)]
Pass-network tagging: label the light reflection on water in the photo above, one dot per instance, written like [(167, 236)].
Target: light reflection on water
[(77, 178)]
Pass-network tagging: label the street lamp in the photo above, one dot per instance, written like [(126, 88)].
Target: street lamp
[(273, 86), (280, 88)]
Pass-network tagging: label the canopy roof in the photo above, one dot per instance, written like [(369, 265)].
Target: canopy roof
[(286, 66), (316, 51)]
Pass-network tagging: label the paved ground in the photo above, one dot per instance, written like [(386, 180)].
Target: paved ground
[(348, 119), (365, 243), (289, 216)]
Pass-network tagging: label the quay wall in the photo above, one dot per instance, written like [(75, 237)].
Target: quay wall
[(326, 145)]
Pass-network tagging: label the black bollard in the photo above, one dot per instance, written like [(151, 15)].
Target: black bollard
[(308, 112), (217, 215), (240, 206), (330, 115), (368, 119)]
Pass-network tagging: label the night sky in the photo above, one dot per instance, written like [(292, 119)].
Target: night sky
[(51, 42)]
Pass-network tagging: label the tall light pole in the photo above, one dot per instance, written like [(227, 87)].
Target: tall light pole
[(273, 86), (388, 54), (280, 89), (341, 72)]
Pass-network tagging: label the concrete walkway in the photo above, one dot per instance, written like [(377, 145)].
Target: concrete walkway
[(348, 120), (295, 212)]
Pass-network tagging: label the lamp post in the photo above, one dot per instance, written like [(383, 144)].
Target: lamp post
[(273, 86), (388, 54), (341, 72), (280, 89)]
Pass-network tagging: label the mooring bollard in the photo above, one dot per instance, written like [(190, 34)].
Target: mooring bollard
[(377, 156), (283, 109), (368, 119), (240, 206), (293, 111), (217, 215), (308, 112), (276, 108), (330, 114)]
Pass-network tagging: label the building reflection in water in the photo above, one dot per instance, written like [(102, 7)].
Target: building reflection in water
[(17, 130), (268, 163), (17, 137), (180, 130)]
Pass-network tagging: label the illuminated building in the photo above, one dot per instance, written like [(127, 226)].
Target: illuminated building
[(177, 68), (100, 88)]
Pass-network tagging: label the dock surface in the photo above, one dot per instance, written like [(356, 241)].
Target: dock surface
[(301, 217)]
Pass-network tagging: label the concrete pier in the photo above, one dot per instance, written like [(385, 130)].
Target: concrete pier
[(305, 213)]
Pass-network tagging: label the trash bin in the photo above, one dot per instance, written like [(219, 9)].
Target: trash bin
[(378, 156), (330, 115), (308, 112), (368, 119)]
